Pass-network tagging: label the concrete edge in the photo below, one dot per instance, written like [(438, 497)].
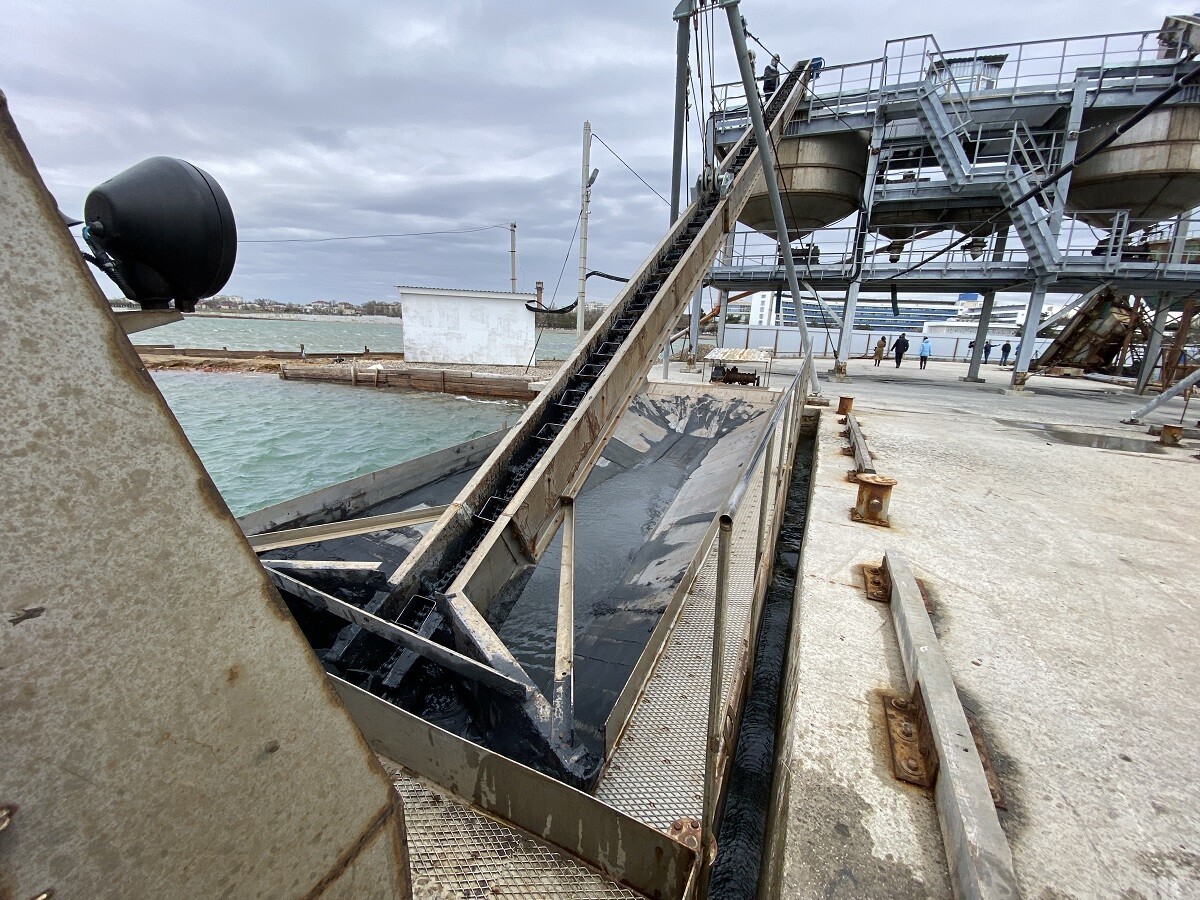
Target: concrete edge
[(976, 847)]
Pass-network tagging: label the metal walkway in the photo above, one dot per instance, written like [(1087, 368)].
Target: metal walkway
[(656, 772), (457, 852)]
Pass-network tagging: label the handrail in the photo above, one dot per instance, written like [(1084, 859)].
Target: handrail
[(783, 426), (743, 483)]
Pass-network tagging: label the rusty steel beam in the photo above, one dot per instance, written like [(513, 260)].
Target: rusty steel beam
[(409, 640)]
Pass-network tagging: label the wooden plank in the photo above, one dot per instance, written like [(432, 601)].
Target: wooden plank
[(409, 640), (310, 534)]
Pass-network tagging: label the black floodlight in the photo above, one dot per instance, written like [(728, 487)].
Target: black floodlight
[(163, 230)]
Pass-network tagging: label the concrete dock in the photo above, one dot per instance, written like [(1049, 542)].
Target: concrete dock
[(1061, 579)]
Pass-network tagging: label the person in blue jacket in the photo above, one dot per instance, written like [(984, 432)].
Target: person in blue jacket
[(924, 352)]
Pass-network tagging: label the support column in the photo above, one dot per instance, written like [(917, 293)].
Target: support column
[(682, 15), (847, 333), (1154, 345), (767, 158), (1029, 330), (694, 322), (985, 319), (1070, 145), (985, 316), (723, 296), (864, 219)]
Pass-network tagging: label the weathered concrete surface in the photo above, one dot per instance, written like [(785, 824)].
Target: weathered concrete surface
[(1062, 581), (166, 732), (851, 830)]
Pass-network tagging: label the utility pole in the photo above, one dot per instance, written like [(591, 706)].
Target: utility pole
[(512, 252), (585, 196)]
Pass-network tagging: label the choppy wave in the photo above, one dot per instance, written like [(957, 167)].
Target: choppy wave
[(264, 440)]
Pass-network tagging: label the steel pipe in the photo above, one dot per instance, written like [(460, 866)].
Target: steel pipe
[(1162, 398)]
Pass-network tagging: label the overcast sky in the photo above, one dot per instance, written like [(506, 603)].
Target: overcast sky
[(334, 119)]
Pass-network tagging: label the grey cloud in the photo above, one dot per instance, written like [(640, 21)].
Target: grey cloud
[(333, 119)]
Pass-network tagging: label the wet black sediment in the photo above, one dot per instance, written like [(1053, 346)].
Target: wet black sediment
[(741, 831)]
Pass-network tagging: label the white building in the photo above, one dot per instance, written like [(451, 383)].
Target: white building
[(453, 326)]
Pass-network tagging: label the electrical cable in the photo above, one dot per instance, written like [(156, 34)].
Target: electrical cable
[(631, 169), (364, 237)]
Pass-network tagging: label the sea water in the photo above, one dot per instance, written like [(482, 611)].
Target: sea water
[(318, 334), (264, 440)]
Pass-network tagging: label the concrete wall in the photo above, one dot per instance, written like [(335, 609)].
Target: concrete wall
[(167, 731), (481, 327)]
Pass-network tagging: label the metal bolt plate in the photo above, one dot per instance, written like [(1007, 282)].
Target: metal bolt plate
[(876, 581), (913, 758)]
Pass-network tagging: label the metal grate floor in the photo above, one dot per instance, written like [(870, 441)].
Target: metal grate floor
[(656, 773), (457, 853)]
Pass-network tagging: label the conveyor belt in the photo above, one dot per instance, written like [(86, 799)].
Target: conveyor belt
[(507, 514)]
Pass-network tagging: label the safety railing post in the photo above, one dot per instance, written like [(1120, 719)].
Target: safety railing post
[(763, 501), (563, 696), (724, 547)]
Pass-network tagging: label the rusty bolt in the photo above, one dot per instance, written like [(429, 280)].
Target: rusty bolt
[(911, 766), (899, 703), (907, 730)]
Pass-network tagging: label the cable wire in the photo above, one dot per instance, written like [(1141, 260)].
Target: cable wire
[(364, 237), (631, 169), (570, 247)]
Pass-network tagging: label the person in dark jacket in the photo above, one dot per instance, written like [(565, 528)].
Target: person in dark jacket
[(1005, 349), (771, 77), (900, 348)]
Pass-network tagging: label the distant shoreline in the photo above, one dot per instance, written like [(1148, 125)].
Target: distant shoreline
[(297, 317)]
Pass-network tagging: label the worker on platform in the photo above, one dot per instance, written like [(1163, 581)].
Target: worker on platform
[(925, 351), (987, 351), (1005, 349), (900, 347), (771, 77), (880, 350)]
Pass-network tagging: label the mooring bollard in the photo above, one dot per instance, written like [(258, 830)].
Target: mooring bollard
[(845, 404), (874, 496), (1170, 435)]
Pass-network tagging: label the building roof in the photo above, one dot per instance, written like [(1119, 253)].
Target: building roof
[(464, 292)]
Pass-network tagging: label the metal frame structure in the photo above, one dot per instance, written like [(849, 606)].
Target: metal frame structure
[(970, 132)]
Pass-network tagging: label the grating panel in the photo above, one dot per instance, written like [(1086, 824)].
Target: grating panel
[(656, 773), (455, 852)]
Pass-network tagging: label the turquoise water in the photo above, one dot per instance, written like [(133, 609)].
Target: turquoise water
[(264, 440), (328, 335)]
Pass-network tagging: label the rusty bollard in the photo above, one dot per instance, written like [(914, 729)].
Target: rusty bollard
[(874, 495), (845, 404), (1170, 435)]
